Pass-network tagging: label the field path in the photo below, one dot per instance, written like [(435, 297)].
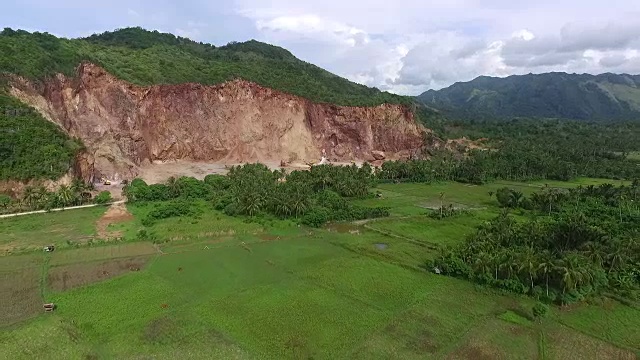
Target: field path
[(60, 209)]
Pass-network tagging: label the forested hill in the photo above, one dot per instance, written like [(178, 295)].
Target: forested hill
[(603, 97), (149, 57)]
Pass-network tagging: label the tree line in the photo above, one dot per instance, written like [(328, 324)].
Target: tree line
[(526, 149), (583, 241), (39, 198), (311, 197)]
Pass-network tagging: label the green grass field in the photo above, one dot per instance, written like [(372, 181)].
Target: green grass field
[(224, 288), (26, 233)]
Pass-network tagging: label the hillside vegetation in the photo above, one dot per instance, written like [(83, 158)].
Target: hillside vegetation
[(551, 95), (149, 57), (30, 146)]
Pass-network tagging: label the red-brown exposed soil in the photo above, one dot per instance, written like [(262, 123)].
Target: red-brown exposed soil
[(125, 126), (116, 213)]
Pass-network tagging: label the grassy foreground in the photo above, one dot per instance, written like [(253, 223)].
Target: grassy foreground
[(227, 289)]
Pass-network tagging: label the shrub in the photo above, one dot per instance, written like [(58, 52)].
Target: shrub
[(137, 190), (540, 310), (217, 182), (5, 201), (157, 192), (174, 208), (191, 188), (317, 217), (503, 196), (446, 211), (103, 197)]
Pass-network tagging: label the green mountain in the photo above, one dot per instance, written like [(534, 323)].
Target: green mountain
[(551, 95), (148, 57)]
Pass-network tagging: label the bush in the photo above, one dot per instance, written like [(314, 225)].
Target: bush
[(103, 197), (174, 208), (191, 188), (157, 192), (136, 191), (317, 217), (145, 235), (217, 182), (5, 201), (540, 310), (446, 211), (505, 197)]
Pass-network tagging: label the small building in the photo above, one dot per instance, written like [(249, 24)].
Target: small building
[(49, 307)]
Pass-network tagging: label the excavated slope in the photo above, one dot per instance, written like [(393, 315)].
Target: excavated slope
[(125, 126)]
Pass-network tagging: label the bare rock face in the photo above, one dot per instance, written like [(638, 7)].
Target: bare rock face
[(124, 126), (378, 155)]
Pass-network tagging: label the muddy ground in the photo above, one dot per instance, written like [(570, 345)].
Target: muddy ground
[(76, 275), (20, 295)]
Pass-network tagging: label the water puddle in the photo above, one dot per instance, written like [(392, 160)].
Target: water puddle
[(345, 228), (381, 246), (267, 237)]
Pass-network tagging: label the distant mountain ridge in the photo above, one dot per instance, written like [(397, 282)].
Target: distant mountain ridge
[(604, 97)]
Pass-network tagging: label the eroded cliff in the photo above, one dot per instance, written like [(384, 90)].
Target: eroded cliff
[(124, 126)]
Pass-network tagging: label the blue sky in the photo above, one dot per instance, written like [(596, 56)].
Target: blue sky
[(402, 46)]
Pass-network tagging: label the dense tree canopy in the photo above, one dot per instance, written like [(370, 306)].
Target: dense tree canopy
[(582, 242), (527, 149), (30, 146), (312, 197)]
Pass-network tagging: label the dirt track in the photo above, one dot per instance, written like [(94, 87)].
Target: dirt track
[(116, 213)]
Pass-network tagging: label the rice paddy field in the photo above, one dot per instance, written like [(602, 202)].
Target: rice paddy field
[(217, 287)]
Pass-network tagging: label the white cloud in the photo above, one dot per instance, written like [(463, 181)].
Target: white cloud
[(410, 46), (133, 13), (404, 46), (314, 26), (193, 30)]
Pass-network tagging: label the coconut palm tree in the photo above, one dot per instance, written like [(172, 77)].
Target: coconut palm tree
[(251, 203), (529, 264), (571, 272), (41, 196), (595, 252), (65, 195), (546, 267), (616, 257), (174, 186), (29, 196), (78, 187), (516, 198), (484, 264)]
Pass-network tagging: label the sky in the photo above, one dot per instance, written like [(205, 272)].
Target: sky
[(402, 46)]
